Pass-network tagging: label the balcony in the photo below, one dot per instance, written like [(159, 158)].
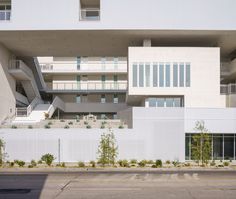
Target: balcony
[(92, 87), (5, 11), (226, 89), (90, 67), (90, 14)]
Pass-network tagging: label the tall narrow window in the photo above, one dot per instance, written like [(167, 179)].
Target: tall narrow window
[(167, 75), (78, 99), (115, 99), (116, 60), (181, 75), (161, 75), (103, 99), (141, 75), (147, 74), (188, 75), (103, 78), (78, 82), (115, 81), (135, 75), (78, 63), (175, 75), (155, 74), (103, 62)]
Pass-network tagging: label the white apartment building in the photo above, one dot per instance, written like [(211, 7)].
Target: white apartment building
[(156, 70)]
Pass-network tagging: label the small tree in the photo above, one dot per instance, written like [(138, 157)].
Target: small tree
[(201, 144), (3, 155), (107, 150), (48, 158)]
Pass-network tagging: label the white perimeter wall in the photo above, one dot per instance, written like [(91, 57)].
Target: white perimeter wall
[(205, 74), (158, 133)]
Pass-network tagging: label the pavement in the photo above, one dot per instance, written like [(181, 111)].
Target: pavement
[(118, 184)]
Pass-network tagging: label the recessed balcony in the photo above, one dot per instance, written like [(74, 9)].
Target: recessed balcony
[(91, 87), (89, 10)]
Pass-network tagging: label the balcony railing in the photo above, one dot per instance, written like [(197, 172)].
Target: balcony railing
[(89, 86), (84, 67), (90, 14), (228, 89), (5, 15)]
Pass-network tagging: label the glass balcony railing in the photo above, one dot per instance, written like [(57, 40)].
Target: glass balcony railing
[(89, 86), (90, 14), (5, 15), (120, 66), (228, 89)]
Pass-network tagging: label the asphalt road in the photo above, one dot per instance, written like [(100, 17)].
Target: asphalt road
[(119, 185)]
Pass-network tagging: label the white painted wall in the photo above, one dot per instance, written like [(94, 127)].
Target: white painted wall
[(205, 74), (158, 133), (151, 14), (7, 86)]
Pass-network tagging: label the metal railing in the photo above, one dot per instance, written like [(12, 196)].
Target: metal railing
[(90, 14), (25, 112), (89, 86), (228, 89), (83, 67), (5, 15)]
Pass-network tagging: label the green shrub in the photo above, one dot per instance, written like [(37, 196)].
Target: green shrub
[(14, 127), (187, 164), (133, 161), (48, 159), (63, 164), (213, 163), (11, 164), (142, 163), (150, 162), (158, 163), (20, 163), (226, 164), (102, 126), (30, 127), (220, 165), (88, 127), (49, 123), (121, 126), (33, 163), (46, 115), (66, 127), (154, 166), (40, 162), (81, 164), (123, 163), (104, 122), (30, 166), (46, 126), (70, 123), (167, 161), (175, 163), (92, 163)]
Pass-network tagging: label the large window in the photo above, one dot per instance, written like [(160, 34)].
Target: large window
[(103, 99), (188, 75), (175, 75), (223, 146), (161, 75), (167, 75), (135, 75), (165, 102), (155, 74), (181, 75), (141, 75), (5, 12), (147, 74)]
